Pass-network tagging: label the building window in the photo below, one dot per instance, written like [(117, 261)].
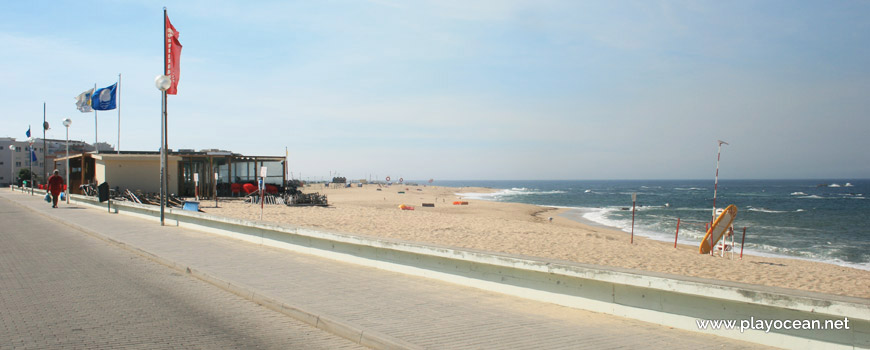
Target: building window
[(17, 149), (18, 164)]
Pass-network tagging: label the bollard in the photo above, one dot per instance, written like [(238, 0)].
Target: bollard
[(678, 233), (741, 242)]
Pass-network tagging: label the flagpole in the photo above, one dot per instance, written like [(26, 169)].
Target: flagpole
[(163, 131), (119, 112), (44, 127), (96, 149)]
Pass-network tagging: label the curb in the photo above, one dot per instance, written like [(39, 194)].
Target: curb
[(319, 320)]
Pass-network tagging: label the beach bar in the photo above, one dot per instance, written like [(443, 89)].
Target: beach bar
[(140, 171)]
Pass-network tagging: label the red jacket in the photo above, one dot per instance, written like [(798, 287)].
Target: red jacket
[(55, 183)]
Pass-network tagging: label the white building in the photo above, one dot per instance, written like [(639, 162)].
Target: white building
[(13, 160)]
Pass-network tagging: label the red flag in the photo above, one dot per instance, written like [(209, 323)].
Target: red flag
[(173, 56)]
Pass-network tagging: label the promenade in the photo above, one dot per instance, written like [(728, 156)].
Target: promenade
[(385, 309)]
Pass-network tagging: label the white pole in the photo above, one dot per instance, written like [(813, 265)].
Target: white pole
[(716, 183), (119, 112), (66, 194), (96, 149)]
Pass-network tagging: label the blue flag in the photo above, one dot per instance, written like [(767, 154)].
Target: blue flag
[(28, 132), (104, 99), (32, 155)]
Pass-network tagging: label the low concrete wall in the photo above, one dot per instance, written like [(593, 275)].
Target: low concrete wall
[(674, 301)]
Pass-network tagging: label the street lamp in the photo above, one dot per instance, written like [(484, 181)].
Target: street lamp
[(67, 122), (12, 163), (162, 82)]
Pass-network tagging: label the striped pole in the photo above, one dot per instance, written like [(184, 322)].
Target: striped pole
[(716, 183)]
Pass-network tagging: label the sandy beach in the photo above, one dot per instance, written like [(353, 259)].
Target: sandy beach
[(525, 230)]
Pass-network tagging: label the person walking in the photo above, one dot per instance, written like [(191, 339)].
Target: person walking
[(55, 186)]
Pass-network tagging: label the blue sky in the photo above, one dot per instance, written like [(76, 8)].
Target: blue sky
[(464, 90)]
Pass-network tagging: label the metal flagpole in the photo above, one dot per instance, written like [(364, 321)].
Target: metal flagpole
[(163, 127), (165, 110), (44, 128), (163, 131), (162, 159), (96, 148), (118, 96), (716, 183)]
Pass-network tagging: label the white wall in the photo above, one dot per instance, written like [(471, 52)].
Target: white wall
[(136, 173)]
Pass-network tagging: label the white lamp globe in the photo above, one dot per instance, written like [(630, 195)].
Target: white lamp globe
[(162, 82), (67, 122)]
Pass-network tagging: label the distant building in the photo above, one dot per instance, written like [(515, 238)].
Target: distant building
[(12, 161)]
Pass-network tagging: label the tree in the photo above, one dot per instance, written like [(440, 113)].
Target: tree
[(23, 175)]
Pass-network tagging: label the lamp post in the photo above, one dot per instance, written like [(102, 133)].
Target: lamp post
[(12, 163), (67, 122), (162, 82)]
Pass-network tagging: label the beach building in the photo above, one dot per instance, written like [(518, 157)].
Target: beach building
[(140, 171)]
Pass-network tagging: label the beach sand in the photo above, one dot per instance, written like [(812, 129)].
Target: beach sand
[(525, 230)]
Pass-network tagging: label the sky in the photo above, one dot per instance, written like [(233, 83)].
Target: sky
[(463, 90)]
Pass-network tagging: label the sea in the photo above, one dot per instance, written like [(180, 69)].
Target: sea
[(819, 220)]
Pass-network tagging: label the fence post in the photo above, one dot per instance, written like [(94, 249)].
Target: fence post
[(678, 233)]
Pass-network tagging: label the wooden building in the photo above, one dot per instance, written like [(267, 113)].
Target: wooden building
[(140, 171)]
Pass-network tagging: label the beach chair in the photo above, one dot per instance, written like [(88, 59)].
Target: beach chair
[(249, 188)]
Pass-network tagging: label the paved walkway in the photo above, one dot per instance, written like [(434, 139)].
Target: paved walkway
[(61, 289), (411, 310)]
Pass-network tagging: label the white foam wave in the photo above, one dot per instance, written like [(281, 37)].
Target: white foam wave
[(765, 210), (812, 197), (475, 195), (600, 216), (798, 194), (693, 237), (848, 184), (834, 185), (505, 193), (689, 189), (692, 209)]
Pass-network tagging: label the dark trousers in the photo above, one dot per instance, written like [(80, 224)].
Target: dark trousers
[(54, 197)]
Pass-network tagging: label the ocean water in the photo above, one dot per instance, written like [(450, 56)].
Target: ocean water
[(820, 220)]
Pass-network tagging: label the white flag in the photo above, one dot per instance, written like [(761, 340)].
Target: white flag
[(83, 101)]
